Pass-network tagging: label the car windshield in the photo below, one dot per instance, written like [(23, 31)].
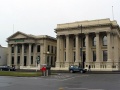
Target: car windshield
[(76, 66)]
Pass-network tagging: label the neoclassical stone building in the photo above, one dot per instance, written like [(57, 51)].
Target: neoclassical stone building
[(24, 50), (95, 43)]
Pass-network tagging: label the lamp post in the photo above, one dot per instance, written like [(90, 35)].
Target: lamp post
[(81, 46), (37, 61), (47, 60)]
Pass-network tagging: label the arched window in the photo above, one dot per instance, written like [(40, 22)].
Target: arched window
[(94, 41), (104, 41)]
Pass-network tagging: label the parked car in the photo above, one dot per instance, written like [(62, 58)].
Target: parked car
[(7, 68), (75, 68)]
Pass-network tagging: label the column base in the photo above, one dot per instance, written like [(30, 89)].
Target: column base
[(57, 64), (67, 64), (77, 63)]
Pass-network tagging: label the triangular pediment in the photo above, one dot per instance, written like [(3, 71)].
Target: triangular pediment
[(18, 35)]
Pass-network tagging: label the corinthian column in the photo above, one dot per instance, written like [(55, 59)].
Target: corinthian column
[(109, 46), (97, 47), (22, 58), (77, 49), (87, 48), (29, 55), (58, 51), (67, 51), (15, 55)]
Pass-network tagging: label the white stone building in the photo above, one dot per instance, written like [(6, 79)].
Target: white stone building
[(25, 49), (3, 55), (95, 43)]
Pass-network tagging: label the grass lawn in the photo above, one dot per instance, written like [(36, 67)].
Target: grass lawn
[(20, 74)]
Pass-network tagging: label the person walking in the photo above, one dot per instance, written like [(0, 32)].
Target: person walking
[(89, 68)]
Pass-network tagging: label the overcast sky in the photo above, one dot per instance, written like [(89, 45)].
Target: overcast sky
[(40, 17)]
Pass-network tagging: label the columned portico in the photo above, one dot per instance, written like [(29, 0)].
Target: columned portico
[(29, 51), (97, 48)]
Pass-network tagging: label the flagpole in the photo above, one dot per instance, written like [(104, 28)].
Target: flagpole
[(112, 13)]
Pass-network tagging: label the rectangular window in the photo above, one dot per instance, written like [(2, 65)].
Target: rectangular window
[(94, 55), (38, 48), (18, 60), (48, 48), (65, 56), (74, 43), (31, 59), (51, 49), (18, 49), (25, 49), (55, 50), (12, 62), (105, 55), (12, 49), (74, 56), (51, 61), (65, 43), (32, 48)]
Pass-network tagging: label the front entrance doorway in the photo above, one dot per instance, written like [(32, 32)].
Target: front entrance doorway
[(25, 60)]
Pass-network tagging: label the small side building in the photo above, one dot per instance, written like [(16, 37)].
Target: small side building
[(3, 55), (27, 51)]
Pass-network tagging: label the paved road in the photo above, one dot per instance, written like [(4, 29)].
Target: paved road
[(64, 80)]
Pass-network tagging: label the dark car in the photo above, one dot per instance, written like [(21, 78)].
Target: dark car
[(7, 68), (75, 68)]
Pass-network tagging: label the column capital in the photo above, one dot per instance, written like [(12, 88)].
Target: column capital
[(108, 32)]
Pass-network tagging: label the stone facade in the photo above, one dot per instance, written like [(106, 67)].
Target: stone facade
[(3, 55), (95, 43), (25, 51)]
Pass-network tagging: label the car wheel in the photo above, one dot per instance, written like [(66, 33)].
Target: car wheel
[(71, 71), (81, 71)]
